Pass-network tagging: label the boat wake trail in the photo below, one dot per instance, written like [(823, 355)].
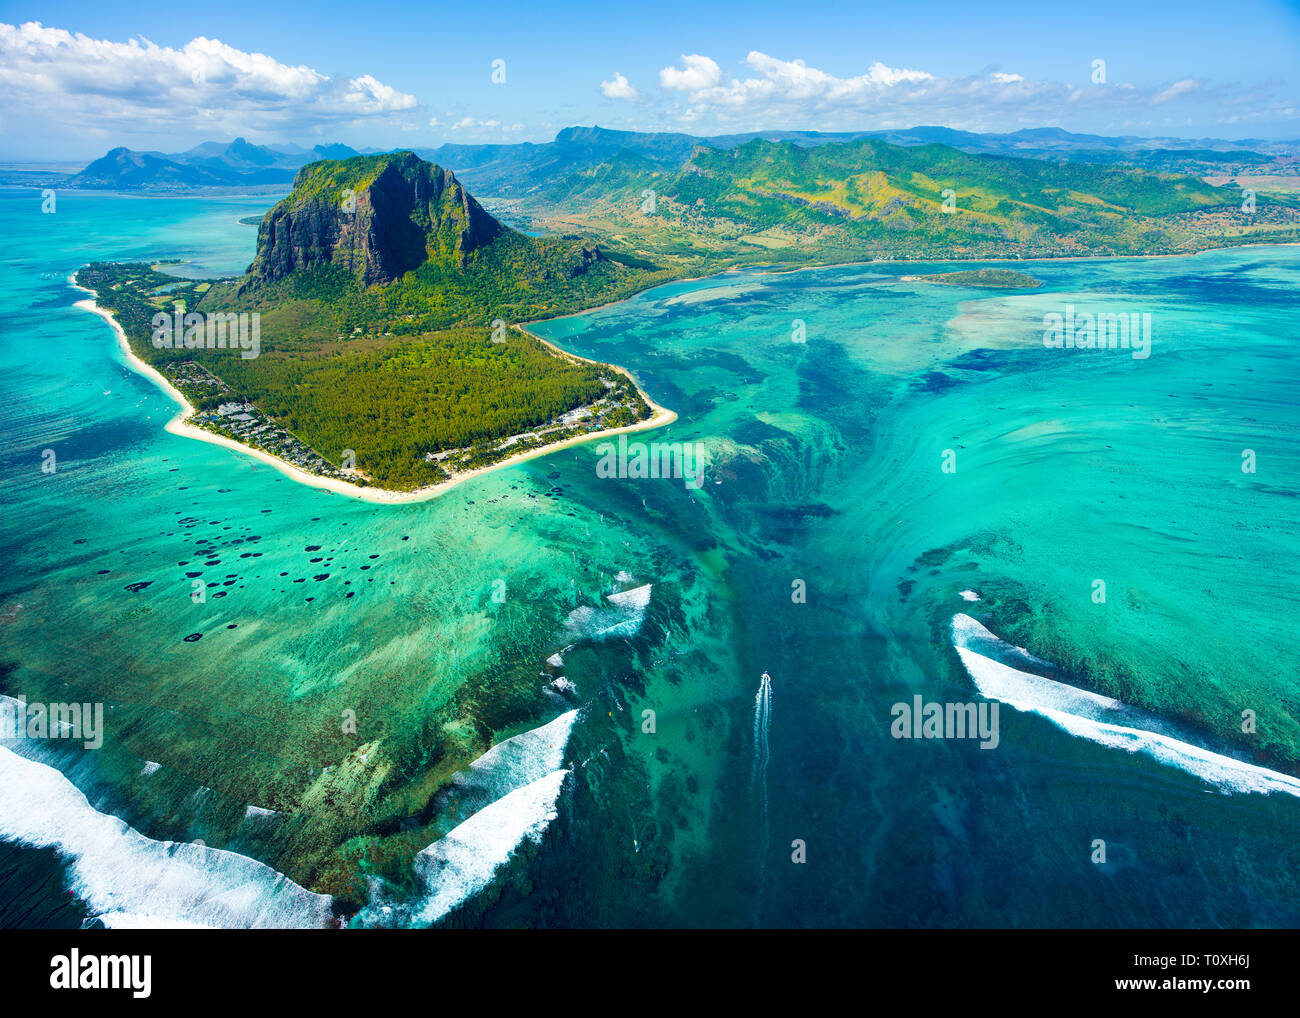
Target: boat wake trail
[(758, 776)]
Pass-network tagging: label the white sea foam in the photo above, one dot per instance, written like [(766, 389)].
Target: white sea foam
[(134, 921), (969, 595), (130, 879), (149, 768), (520, 760), (624, 619), (1101, 719), (512, 789), (459, 865), (635, 599), (555, 661)]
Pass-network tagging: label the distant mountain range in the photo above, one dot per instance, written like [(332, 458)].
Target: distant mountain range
[(858, 200), (514, 170), (212, 164), (518, 169)]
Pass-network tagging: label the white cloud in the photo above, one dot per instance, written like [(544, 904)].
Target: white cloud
[(782, 83), (699, 73), (619, 88), (473, 130), (1175, 91), (137, 85), (373, 96), (791, 92)]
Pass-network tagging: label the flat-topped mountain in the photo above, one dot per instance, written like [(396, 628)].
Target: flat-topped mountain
[(394, 244), (377, 217)]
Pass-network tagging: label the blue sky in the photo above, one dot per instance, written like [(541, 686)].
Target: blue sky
[(165, 76)]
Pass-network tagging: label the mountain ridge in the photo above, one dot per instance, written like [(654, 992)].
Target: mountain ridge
[(211, 164), (505, 167)]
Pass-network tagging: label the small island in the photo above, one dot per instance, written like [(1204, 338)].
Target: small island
[(993, 279)]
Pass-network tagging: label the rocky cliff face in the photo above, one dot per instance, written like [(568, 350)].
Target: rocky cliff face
[(378, 217), (583, 257)]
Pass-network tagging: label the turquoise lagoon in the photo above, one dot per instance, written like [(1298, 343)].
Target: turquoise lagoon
[(921, 457)]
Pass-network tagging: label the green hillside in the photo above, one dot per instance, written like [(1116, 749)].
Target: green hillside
[(870, 199)]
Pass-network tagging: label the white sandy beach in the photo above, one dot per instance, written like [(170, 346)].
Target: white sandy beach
[(178, 426)]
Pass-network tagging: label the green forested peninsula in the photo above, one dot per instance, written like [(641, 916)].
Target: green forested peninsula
[(386, 299)]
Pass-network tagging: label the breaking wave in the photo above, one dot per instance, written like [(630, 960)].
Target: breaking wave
[(511, 792), (1099, 718), (459, 865), (625, 618), (129, 880), (517, 761)]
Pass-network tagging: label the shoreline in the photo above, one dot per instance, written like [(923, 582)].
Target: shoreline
[(660, 416), (669, 415), (772, 269), (967, 261), (178, 425)]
